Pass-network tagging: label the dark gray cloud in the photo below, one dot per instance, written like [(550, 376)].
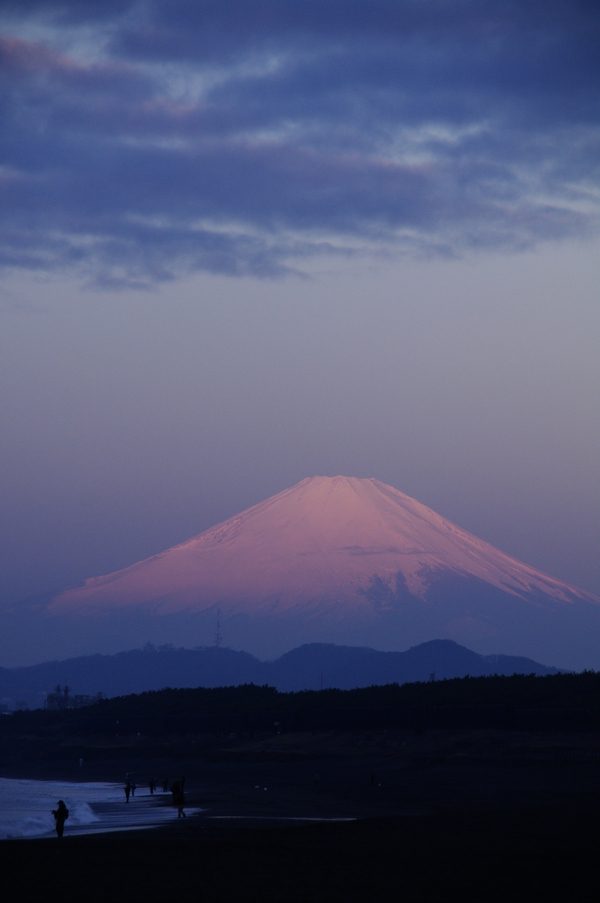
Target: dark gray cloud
[(243, 137)]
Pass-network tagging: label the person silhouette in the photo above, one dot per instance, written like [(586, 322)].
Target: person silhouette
[(61, 814), (127, 789), (178, 798)]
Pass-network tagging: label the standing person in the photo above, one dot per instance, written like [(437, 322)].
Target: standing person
[(178, 798), (61, 814), (127, 789)]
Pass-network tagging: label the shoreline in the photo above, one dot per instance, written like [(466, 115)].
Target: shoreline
[(324, 831), (216, 808), (142, 812), (542, 853)]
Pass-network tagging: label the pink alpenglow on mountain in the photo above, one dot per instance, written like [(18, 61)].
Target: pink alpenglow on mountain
[(338, 559)]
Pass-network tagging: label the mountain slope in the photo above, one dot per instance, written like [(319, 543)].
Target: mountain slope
[(323, 540), (337, 560)]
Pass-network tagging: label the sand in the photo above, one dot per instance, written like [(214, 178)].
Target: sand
[(481, 826)]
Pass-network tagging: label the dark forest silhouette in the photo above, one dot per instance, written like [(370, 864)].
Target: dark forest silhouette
[(556, 702)]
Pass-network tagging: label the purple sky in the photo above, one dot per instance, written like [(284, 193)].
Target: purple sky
[(248, 242)]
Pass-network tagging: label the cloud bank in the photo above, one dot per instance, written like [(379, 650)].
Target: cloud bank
[(145, 140)]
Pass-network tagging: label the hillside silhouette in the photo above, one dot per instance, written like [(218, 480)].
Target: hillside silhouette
[(310, 667)]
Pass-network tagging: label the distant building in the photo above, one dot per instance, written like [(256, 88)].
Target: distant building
[(61, 698)]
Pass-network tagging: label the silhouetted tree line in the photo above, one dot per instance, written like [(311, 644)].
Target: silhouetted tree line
[(563, 701)]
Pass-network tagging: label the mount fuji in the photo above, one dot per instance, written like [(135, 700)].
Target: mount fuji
[(343, 560)]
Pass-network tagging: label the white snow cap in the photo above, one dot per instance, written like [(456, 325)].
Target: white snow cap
[(320, 542)]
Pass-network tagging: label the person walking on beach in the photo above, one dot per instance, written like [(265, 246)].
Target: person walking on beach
[(61, 814), (127, 789), (178, 798)]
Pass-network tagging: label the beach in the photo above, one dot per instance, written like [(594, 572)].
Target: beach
[(523, 855), (479, 826), (27, 808)]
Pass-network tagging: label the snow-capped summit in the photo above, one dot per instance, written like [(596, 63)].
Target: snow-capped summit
[(336, 558), (325, 538)]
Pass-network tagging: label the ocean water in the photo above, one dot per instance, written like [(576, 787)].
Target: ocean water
[(26, 806), (94, 807)]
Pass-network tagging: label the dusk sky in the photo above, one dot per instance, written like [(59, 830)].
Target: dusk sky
[(248, 242)]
